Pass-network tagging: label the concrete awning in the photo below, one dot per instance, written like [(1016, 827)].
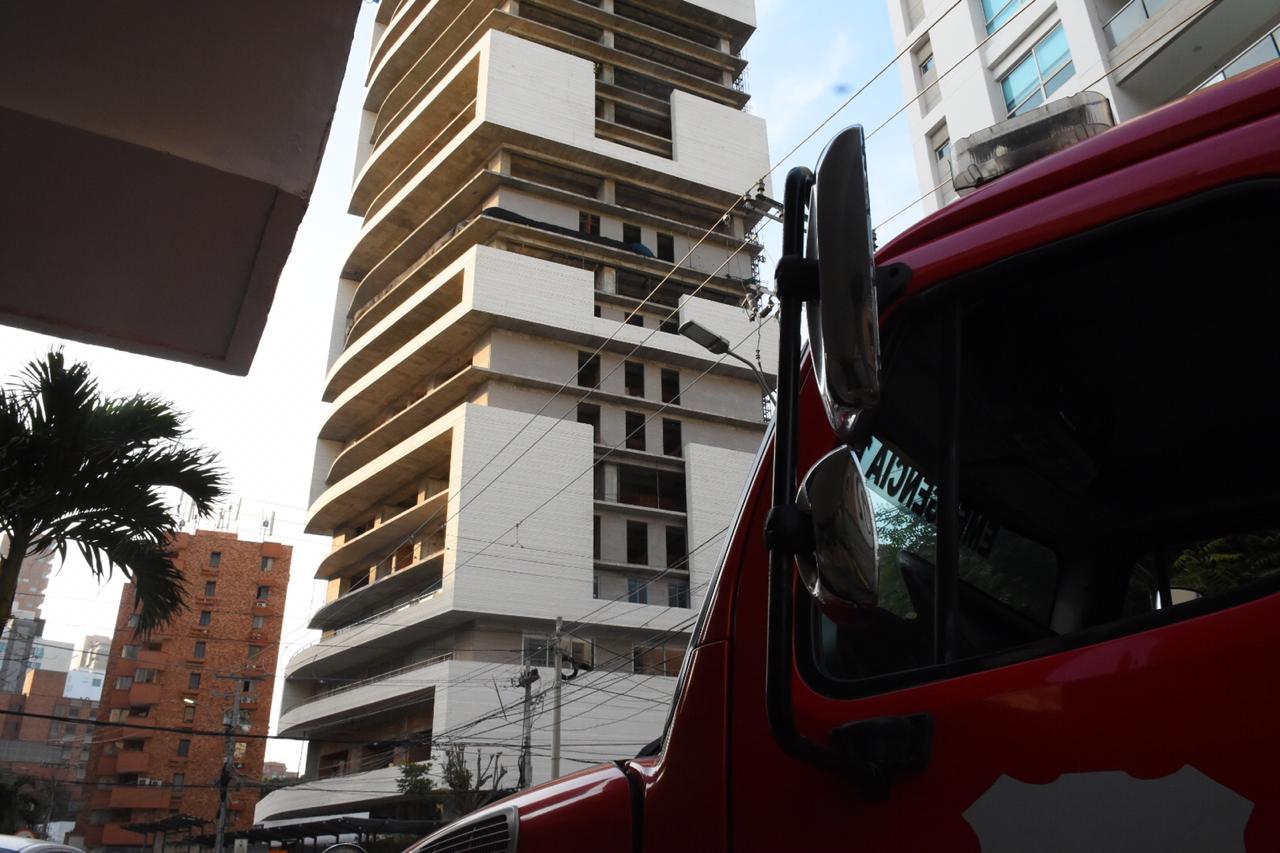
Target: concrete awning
[(156, 160)]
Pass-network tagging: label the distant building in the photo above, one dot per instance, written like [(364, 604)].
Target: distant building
[(53, 655), (84, 684), (277, 770), (17, 647), (93, 653), (187, 676), (53, 750)]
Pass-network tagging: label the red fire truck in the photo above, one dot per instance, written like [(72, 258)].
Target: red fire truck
[(1007, 574)]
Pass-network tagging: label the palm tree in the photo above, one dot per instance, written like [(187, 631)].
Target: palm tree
[(78, 467)]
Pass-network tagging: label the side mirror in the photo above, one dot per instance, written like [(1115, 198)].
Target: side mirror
[(841, 572), (844, 325)]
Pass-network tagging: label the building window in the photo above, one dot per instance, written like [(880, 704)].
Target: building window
[(595, 586), (259, 622), (215, 559), (179, 779), (264, 592), (146, 676), (198, 651), (140, 711), (646, 660), (268, 563), (537, 650), (940, 144), (595, 537), (132, 621), (210, 589), (589, 414), (129, 652), (666, 248), (635, 431), (124, 682), (193, 681), (637, 591), (206, 617), (1040, 74), (638, 543), (677, 547), (631, 234), (635, 318), (188, 713), (588, 370), (184, 748), (931, 94), (671, 386), (116, 715), (998, 12), (633, 371), (678, 594), (97, 682), (254, 651), (671, 443), (588, 223)]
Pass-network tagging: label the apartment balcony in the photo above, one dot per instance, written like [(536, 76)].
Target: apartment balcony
[(356, 644), (420, 48), (1162, 49), (365, 695), (372, 545), (340, 794), (115, 835), (543, 100), (145, 694), (425, 454), (132, 762), (139, 797), (417, 580), (1264, 50)]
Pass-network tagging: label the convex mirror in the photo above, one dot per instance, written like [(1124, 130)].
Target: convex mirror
[(841, 572), (844, 324)]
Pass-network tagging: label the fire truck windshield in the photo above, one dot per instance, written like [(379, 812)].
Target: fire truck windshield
[(1116, 440)]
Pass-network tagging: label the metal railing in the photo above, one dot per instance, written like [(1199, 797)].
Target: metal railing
[(1262, 51), (1123, 24), (373, 679)]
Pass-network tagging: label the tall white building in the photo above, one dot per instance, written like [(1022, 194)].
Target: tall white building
[(539, 180), (986, 60)]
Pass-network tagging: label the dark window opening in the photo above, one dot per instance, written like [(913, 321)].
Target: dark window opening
[(677, 547), (630, 234), (589, 223), (588, 370), (633, 377), (215, 559), (638, 543), (671, 443), (595, 537), (678, 594), (648, 487), (637, 591), (635, 431), (671, 386), (666, 247), (589, 414)]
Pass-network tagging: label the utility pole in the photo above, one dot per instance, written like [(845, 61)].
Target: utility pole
[(558, 664), (526, 680), (224, 778)]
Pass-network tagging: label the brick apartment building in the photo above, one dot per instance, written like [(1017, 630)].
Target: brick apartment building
[(56, 751), (182, 681)]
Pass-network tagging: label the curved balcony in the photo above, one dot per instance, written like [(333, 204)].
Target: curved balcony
[(340, 794), (417, 416), (411, 583), (374, 544), (426, 454), (419, 312), (365, 695), (417, 138), (398, 23)]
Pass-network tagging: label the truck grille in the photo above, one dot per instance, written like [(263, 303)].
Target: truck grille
[(490, 833)]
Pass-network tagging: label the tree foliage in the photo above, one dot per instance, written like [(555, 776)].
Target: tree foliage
[(77, 467), (415, 779)]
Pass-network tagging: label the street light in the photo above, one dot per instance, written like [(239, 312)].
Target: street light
[(716, 345)]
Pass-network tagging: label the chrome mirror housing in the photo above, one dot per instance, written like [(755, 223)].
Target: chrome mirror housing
[(844, 323), (841, 572)]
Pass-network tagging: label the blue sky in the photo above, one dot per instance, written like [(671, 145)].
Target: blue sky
[(806, 58)]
